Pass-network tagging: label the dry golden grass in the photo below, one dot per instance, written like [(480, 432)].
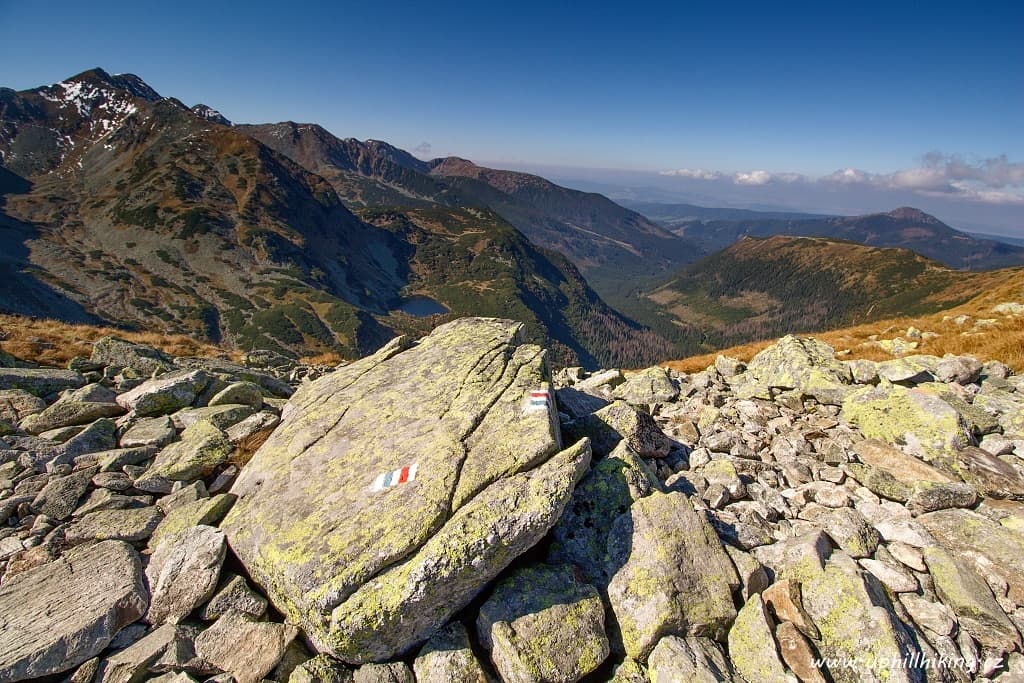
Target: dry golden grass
[(325, 358), (1003, 341), (247, 448), (52, 342)]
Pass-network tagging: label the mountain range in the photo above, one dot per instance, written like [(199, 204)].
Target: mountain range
[(129, 208), (124, 207), (905, 227)]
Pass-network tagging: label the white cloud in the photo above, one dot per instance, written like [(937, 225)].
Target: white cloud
[(753, 178), (995, 180), (423, 150), (694, 173)]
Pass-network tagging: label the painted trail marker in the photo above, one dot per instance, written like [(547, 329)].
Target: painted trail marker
[(539, 399), (386, 480)]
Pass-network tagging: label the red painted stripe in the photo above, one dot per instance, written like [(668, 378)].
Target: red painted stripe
[(404, 476), (538, 394)]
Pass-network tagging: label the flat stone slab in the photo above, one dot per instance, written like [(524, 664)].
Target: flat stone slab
[(58, 615), (375, 460)]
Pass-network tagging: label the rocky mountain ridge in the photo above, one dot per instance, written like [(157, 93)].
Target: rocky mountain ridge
[(122, 206), (448, 510)]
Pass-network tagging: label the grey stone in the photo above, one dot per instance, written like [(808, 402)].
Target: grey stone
[(234, 595), (679, 660), (166, 394), (125, 354), (39, 381), (448, 658), (183, 572), (149, 431), (99, 589), (669, 574), (540, 624), (243, 647), (245, 393)]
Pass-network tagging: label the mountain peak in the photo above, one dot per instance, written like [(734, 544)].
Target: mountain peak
[(210, 114), (129, 82), (909, 213)]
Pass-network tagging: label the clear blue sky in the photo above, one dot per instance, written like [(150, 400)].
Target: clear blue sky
[(786, 87)]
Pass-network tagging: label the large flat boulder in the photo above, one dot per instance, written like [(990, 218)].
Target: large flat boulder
[(802, 364), (396, 487), (39, 381), (58, 615), (918, 421)]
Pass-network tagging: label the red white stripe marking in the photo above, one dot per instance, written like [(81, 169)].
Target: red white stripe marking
[(403, 475)]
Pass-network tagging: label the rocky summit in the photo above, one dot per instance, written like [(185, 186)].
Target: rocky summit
[(446, 510)]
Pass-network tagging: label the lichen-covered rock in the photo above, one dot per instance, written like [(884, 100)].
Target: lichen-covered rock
[(244, 393), (607, 491), (66, 413), (622, 422), (221, 416), (669, 574), (856, 621), (183, 571), (541, 624), (448, 657), (804, 364), (752, 646), (229, 372), (396, 487), (324, 669), (959, 369), (39, 381), (131, 525), (243, 647), (963, 532), (963, 591), (201, 450), (17, 404), (920, 422), (132, 663), (406, 603), (391, 672), (58, 615), (202, 512), (686, 660), (166, 394), (251, 425), (652, 385), (149, 431), (125, 354), (60, 496)]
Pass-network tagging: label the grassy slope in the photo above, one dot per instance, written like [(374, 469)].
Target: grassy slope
[(1001, 340), (764, 288)]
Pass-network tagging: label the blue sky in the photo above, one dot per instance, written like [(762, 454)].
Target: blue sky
[(783, 89)]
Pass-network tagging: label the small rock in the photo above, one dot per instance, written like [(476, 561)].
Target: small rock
[(245, 648), (700, 660), (164, 395), (182, 573), (752, 645), (526, 626), (235, 594), (448, 658)]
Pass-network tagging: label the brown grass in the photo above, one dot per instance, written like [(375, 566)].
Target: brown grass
[(1004, 341), (248, 446), (325, 358), (52, 342)]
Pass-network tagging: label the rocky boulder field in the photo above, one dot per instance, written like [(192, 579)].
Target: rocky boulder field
[(448, 511)]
